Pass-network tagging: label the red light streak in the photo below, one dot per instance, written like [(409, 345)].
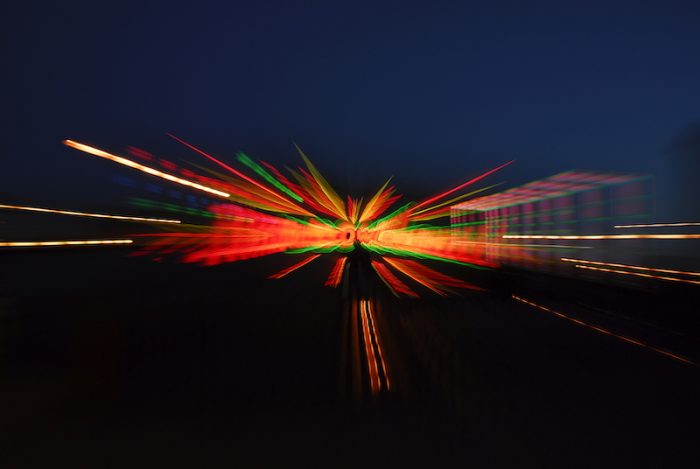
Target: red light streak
[(296, 266), (461, 186), (336, 274), (394, 284), (270, 191), (435, 281)]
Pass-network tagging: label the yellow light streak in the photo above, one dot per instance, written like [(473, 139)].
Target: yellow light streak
[(84, 214), (658, 225), (636, 236), (638, 274), (89, 242), (145, 169), (635, 267)]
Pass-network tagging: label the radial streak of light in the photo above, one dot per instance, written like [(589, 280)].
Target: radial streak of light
[(336, 274), (237, 173), (296, 266), (434, 280), (83, 214), (245, 228), (634, 267), (89, 242), (376, 341), (659, 225), (635, 236), (327, 189), (369, 350), (638, 274), (461, 186), (605, 331), (390, 280), (398, 265), (455, 199), (145, 169)]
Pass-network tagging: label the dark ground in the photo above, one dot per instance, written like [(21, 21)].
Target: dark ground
[(115, 361)]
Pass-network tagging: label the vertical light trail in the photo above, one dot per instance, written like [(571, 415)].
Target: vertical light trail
[(369, 350), (377, 342)]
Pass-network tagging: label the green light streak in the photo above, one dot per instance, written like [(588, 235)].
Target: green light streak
[(391, 215), (243, 158), (323, 249), (402, 253), (295, 219), (145, 203)]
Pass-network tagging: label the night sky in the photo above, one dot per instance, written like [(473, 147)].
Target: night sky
[(429, 92)]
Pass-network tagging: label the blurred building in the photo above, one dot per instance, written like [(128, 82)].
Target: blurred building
[(570, 203)]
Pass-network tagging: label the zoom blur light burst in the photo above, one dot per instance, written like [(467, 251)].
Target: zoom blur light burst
[(258, 211)]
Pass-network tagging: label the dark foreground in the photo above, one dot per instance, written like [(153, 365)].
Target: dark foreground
[(110, 361)]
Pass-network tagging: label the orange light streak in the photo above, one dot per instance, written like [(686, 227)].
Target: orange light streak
[(84, 214), (336, 274), (435, 281), (369, 350), (658, 225), (605, 331), (379, 347), (638, 274), (390, 280), (637, 236), (408, 272), (145, 169), (635, 267), (296, 266), (90, 242)]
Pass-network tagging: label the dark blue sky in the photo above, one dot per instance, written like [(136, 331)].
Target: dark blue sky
[(428, 92)]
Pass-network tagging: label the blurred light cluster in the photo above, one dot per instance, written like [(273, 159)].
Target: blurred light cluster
[(541, 226), (251, 209), (256, 210)]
